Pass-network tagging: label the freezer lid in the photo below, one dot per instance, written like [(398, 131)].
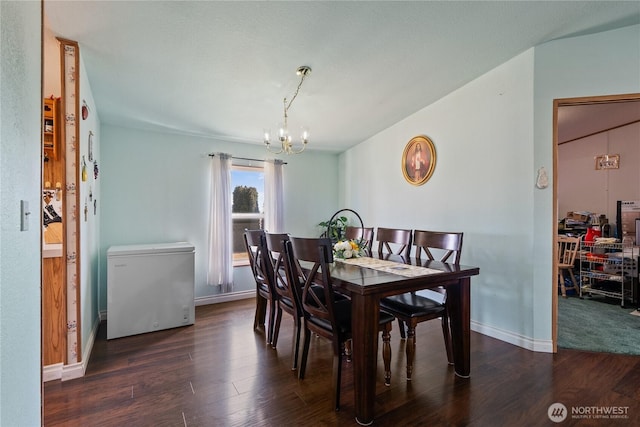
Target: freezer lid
[(154, 248)]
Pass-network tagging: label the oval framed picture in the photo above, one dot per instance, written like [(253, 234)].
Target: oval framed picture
[(418, 160)]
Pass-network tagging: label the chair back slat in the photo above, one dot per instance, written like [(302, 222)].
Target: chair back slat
[(399, 237), (259, 260), (567, 250), (447, 243), (318, 297), (284, 282), (363, 235)]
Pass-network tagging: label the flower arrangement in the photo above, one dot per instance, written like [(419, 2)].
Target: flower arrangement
[(346, 249)]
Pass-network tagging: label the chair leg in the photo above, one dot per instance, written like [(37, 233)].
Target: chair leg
[(276, 327), (386, 353), (261, 305), (295, 342), (401, 327), (562, 287), (576, 287), (272, 318), (305, 353), (411, 348), (348, 349), (337, 373), (446, 333)]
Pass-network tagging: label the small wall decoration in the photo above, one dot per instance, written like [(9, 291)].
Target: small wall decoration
[(85, 110), (608, 161), (418, 160), (90, 146), (542, 181), (84, 169)]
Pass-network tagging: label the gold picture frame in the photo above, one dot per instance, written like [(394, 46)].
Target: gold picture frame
[(418, 160), (608, 161)]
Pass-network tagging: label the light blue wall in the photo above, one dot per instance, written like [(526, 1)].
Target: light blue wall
[(155, 188), (20, 165), (90, 226), (491, 136), (482, 186), (600, 64)]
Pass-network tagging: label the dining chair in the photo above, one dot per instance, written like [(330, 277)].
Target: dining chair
[(326, 313), (261, 268), (364, 235), (567, 250), (399, 238), (412, 308), (288, 290)]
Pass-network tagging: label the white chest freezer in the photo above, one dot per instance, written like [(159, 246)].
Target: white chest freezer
[(149, 288)]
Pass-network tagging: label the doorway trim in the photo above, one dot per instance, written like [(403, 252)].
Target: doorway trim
[(557, 103), (70, 64)]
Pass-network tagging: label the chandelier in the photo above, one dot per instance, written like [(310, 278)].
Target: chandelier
[(285, 138)]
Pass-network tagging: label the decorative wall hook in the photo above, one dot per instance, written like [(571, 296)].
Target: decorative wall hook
[(543, 179)]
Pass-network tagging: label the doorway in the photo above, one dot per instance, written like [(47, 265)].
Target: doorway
[(576, 120)]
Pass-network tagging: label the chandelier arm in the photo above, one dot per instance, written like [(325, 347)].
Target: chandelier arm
[(268, 144)]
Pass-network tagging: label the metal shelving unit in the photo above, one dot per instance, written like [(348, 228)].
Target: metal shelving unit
[(608, 269)]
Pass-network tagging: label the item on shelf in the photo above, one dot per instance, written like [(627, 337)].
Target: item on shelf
[(592, 233), (608, 269), (579, 216), (605, 240)]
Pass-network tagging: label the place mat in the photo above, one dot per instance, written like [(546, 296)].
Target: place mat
[(406, 270)]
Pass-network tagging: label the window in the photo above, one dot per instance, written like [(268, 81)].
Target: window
[(247, 212)]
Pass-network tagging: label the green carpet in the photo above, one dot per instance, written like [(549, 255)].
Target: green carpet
[(598, 324)]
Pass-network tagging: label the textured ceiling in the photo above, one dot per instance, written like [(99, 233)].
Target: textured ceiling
[(222, 69), (578, 121)]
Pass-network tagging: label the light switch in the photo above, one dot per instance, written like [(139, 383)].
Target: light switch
[(24, 215)]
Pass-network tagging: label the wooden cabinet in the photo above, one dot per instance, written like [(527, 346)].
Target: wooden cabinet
[(51, 128)]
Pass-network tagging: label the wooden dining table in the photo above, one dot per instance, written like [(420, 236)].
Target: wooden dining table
[(366, 285)]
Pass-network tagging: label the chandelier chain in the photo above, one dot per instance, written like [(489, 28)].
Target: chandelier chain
[(296, 92)]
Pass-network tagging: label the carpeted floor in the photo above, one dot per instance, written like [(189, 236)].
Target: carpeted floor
[(598, 324)]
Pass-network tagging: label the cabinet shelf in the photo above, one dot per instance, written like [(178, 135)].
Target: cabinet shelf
[(50, 128)]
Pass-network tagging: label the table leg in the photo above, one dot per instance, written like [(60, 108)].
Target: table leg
[(459, 307), (364, 325)]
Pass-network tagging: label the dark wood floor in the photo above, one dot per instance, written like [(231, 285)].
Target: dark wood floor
[(219, 372)]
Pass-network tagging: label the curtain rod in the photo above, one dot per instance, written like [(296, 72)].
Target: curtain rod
[(245, 158)]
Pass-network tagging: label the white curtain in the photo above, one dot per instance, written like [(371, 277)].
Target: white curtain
[(220, 269), (273, 197)]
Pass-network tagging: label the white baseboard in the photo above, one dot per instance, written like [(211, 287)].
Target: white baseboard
[(72, 371), (52, 372), (542, 346), (233, 296)]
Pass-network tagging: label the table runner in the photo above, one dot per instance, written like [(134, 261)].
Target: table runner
[(392, 267)]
